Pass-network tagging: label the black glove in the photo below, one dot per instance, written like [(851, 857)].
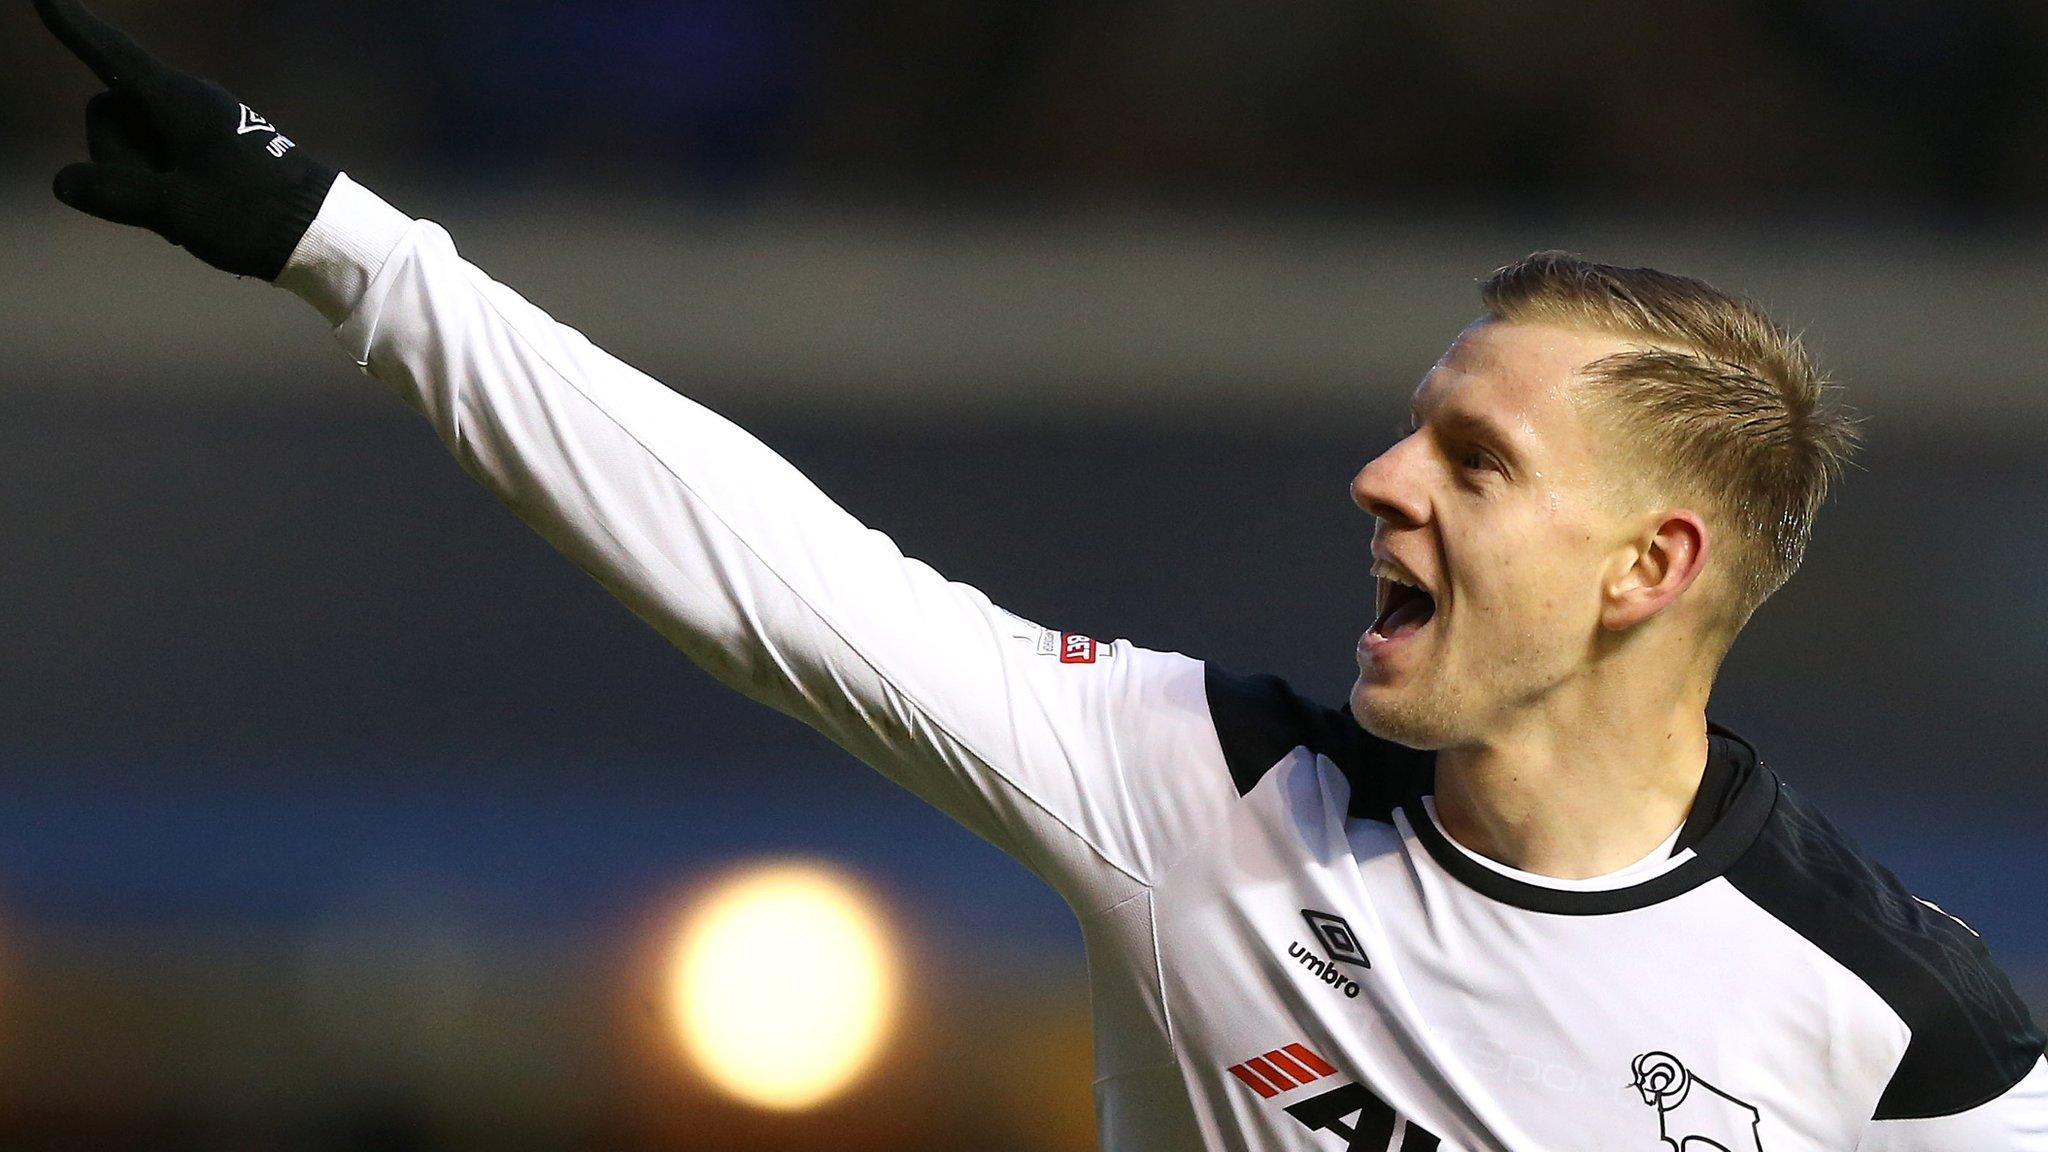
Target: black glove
[(181, 157)]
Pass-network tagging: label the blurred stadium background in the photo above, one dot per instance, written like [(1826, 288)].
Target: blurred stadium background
[(336, 812)]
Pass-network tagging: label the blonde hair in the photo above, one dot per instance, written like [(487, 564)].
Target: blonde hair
[(1718, 403)]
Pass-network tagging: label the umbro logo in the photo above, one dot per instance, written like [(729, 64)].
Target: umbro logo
[(253, 121), (1339, 944)]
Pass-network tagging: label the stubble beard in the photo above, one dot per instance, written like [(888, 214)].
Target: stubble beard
[(1425, 716), (1448, 704)]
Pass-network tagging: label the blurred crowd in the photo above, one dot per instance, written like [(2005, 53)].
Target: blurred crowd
[(1932, 108)]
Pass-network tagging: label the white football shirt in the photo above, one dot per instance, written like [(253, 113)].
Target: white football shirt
[(1286, 951)]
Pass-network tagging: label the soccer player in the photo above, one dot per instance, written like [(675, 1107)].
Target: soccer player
[(1520, 896)]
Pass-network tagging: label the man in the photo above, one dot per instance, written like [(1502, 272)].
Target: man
[(1529, 899)]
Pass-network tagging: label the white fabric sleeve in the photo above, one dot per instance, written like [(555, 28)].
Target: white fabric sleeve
[(1094, 765), (2016, 1121)]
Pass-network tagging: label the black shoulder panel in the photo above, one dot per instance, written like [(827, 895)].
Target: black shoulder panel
[(1972, 1038), (1260, 719)]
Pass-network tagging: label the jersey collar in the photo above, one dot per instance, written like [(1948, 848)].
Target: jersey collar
[(1735, 799)]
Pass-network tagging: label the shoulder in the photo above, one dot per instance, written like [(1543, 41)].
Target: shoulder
[(2015, 1120), (1971, 1036), (1261, 719)]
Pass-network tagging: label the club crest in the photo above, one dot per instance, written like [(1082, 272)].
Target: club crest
[(1693, 1115)]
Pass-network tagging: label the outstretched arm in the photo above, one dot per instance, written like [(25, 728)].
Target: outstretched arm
[(1096, 766)]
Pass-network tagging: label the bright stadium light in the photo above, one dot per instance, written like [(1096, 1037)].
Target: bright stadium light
[(783, 985)]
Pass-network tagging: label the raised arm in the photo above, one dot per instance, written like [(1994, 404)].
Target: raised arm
[(744, 565), (1095, 765)]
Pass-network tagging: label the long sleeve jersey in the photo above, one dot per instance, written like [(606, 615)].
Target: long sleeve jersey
[(1285, 949)]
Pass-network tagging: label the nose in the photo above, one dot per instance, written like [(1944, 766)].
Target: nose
[(1387, 488)]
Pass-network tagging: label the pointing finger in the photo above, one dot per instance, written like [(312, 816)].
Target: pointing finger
[(105, 49)]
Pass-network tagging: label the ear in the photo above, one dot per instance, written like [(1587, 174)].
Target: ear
[(1653, 569)]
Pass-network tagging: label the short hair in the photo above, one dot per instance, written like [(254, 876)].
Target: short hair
[(1717, 401)]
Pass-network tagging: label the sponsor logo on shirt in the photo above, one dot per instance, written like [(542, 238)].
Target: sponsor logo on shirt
[(1693, 1115), (1350, 1112), (1282, 1070), (1072, 647)]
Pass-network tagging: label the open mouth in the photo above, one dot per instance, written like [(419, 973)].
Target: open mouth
[(1405, 607)]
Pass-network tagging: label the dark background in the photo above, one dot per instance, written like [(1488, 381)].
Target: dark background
[(337, 812)]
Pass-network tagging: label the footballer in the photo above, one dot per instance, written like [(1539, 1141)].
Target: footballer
[(1518, 896)]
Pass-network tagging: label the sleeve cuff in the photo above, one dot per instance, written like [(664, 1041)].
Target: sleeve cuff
[(339, 255)]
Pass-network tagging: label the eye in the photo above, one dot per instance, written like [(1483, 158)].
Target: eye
[(1477, 460)]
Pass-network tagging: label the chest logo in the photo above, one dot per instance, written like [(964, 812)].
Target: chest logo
[(1351, 1112), (1282, 1070), (1339, 942), (1693, 1115)]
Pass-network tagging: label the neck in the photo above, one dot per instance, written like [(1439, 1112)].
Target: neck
[(1575, 796)]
